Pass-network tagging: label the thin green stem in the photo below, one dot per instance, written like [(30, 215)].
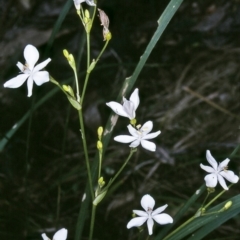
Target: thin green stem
[(100, 164), (92, 221), (205, 199), (88, 50), (133, 150), (88, 73), (180, 227), (77, 85), (192, 218), (103, 49), (86, 152), (84, 88), (214, 199)]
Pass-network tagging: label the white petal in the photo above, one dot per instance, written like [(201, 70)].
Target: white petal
[(211, 160), (44, 236), (147, 127), (152, 135), (128, 107), (124, 138), (140, 213), (148, 145), (135, 143), (150, 224), (222, 182), (135, 98), (41, 77), (77, 3), (223, 164), (163, 218), (31, 56), (20, 66), (61, 234), (16, 82), (90, 2), (147, 202), (136, 222), (30, 86), (230, 176), (211, 180), (159, 210), (207, 168), (41, 65), (117, 108), (133, 131)]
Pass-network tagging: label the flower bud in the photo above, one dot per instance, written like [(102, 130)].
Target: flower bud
[(87, 14), (101, 182), (68, 89), (227, 205), (100, 132), (70, 59), (99, 145), (65, 53)]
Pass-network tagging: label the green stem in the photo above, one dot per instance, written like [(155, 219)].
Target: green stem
[(205, 199), (180, 227), (84, 88), (77, 85), (100, 164), (133, 150), (214, 199), (88, 64), (86, 152), (88, 50), (103, 49), (192, 218), (92, 221)]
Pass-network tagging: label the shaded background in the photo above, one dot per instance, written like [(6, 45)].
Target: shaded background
[(198, 54)]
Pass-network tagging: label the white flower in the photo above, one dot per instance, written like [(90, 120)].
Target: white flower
[(218, 172), (29, 72), (139, 136), (77, 3), (59, 235), (149, 215), (128, 108)]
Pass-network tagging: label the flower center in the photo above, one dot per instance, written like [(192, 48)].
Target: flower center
[(149, 212), (26, 68)]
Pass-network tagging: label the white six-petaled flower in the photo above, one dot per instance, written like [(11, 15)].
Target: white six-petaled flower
[(218, 172), (139, 136), (147, 203), (29, 72), (128, 109), (59, 235), (77, 3)]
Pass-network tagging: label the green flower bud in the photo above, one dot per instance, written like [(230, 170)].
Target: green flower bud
[(101, 182), (99, 145), (100, 132), (87, 14), (227, 205)]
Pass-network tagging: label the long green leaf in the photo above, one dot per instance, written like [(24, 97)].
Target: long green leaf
[(17, 125), (58, 23), (181, 212), (208, 222)]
